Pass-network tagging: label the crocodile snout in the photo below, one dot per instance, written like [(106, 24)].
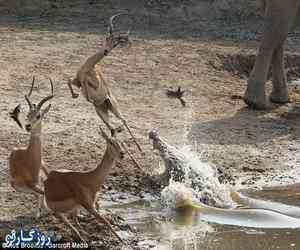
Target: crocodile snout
[(153, 135)]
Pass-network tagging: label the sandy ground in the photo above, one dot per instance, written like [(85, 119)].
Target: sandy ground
[(250, 148)]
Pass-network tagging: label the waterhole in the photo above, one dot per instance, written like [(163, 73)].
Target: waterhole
[(164, 229)]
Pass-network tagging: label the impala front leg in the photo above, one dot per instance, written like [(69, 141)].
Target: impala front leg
[(64, 219), (87, 201), (102, 220), (76, 222), (87, 90), (39, 205), (102, 112)]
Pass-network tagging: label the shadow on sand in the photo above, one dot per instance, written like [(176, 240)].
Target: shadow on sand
[(247, 127)]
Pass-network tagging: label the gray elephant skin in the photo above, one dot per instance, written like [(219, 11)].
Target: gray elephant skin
[(281, 16)]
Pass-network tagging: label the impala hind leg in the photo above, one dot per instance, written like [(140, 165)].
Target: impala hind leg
[(102, 112), (113, 107)]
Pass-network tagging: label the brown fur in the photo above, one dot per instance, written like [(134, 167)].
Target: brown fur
[(66, 191), (25, 163), (24, 167), (96, 90)]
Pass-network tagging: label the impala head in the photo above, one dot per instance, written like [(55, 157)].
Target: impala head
[(115, 145), (120, 39), (36, 114)]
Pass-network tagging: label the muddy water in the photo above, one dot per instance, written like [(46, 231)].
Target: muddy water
[(163, 229)]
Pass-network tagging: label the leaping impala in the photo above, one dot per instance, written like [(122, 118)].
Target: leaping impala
[(25, 163), (68, 191), (93, 85)]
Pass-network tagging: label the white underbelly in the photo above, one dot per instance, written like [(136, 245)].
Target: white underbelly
[(63, 170), (66, 206), (20, 186)]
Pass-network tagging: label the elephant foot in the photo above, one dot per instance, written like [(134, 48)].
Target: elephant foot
[(252, 104), (255, 96), (279, 97)]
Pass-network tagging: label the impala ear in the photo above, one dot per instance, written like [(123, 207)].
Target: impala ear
[(46, 110), (15, 115)]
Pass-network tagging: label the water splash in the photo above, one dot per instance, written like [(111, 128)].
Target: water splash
[(200, 183), (175, 192)]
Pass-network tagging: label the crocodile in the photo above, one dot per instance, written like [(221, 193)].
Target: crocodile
[(199, 176), (211, 204)]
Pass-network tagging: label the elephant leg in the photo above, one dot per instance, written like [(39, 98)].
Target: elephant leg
[(280, 90), (278, 19), (255, 95)]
